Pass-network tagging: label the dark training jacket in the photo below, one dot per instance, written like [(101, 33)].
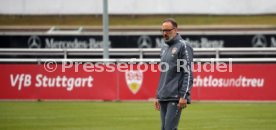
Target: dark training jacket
[(176, 78)]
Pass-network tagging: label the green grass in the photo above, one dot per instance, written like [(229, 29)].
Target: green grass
[(136, 20), (133, 116)]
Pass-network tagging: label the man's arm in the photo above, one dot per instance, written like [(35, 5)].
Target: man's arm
[(187, 55)]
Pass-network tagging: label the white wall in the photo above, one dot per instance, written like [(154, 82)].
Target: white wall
[(138, 6)]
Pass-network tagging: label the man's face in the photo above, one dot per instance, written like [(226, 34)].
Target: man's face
[(168, 31)]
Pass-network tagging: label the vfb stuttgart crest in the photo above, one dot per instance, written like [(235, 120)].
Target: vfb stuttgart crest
[(134, 80)]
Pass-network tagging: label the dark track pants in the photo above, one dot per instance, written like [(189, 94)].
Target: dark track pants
[(170, 115)]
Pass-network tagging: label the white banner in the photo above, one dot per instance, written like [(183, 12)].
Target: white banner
[(131, 7)]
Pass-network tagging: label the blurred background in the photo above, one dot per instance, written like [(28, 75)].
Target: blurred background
[(46, 47)]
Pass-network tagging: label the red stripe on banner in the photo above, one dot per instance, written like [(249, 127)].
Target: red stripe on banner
[(245, 82), (114, 82), (27, 81)]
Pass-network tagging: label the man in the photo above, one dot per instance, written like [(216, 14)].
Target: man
[(176, 79)]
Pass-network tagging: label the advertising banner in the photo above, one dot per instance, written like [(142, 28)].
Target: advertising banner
[(244, 82), (132, 82), (32, 81), (135, 41)]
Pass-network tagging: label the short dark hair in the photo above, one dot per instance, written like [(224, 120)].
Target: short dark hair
[(172, 21)]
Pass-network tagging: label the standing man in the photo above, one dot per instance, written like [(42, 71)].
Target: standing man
[(176, 79)]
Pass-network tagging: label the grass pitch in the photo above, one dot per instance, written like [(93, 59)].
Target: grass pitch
[(133, 116)]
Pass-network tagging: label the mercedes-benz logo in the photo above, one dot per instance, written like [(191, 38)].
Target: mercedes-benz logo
[(144, 42), (259, 41), (34, 42)]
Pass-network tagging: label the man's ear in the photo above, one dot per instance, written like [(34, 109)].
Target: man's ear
[(175, 31)]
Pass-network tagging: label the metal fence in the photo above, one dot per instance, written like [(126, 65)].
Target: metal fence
[(146, 55)]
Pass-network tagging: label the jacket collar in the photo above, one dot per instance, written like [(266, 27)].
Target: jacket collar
[(173, 41)]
